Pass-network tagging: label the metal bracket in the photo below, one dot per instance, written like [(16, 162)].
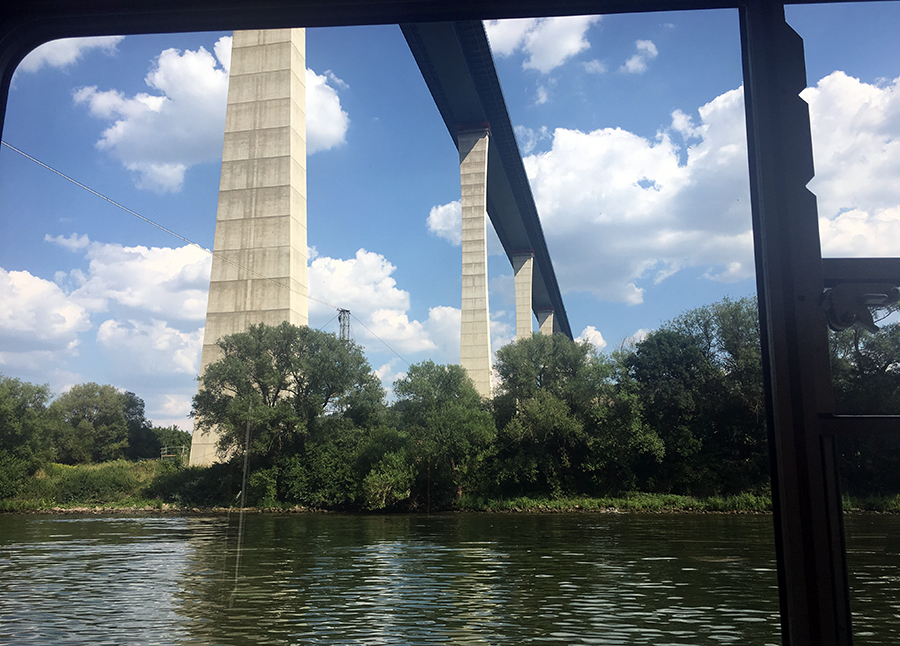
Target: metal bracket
[(847, 304)]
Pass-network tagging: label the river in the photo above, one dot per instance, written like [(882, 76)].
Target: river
[(499, 579)]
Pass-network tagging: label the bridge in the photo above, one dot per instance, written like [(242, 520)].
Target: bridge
[(259, 270), (791, 274)]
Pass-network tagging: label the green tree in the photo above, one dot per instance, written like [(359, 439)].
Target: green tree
[(91, 424), (282, 380), (866, 373), (24, 434), (700, 379), (307, 398), (172, 437), (142, 441), (567, 423), (447, 427)]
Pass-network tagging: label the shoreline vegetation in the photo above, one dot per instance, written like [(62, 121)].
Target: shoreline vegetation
[(675, 422), (122, 487)]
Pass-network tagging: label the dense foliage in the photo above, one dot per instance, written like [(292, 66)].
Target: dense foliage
[(679, 412), (88, 423)]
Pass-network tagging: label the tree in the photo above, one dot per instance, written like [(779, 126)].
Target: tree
[(24, 434), (567, 424), (92, 426), (283, 381), (142, 441), (700, 379), (447, 427), (866, 373)]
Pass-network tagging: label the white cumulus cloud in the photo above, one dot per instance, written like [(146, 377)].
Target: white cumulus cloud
[(619, 209), (592, 335), (160, 135), (856, 147), (327, 122), (445, 221), (637, 64), (180, 121), (66, 52), (160, 280), (547, 42), (38, 315), (152, 347)]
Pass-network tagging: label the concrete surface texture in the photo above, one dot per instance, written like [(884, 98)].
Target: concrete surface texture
[(259, 268), (475, 337), (523, 270), (546, 322)]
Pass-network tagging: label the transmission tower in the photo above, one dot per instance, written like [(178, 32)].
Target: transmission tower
[(344, 320)]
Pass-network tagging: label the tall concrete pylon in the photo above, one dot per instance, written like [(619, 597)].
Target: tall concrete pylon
[(523, 271), (259, 267), (475, 330)]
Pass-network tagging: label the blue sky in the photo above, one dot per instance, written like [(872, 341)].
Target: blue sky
[(632, 132)]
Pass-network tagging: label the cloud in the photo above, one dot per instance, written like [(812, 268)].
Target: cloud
[(619, 209), (37, 315), (592, 335), (637, 64), (179, 123), (548, 42), (153, 348), (856, 146), (161, 135), (64, 53), (365, 286), (162, 280), (171, 409), (445, 221), (327, 122), (637, 337), (595, 67), (528, 139)]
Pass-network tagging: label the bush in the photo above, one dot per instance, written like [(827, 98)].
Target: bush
[(14, 474), (212, 486), (87, 484)]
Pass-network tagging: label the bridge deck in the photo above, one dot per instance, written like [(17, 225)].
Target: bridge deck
[(456, 63)]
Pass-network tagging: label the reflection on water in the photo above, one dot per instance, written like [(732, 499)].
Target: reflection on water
[(457, 579)]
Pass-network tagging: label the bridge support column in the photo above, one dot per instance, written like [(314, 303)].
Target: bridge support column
[(547, 322), (523, 269), (259, 272), (475, 332)]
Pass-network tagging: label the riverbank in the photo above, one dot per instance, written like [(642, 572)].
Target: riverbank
[(638, 503), (155, 487)]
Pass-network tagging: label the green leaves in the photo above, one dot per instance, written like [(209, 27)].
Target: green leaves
[(447, 429), (281, 381)]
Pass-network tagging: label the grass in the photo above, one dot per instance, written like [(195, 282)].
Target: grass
[(629, 502), (158, 485), (118, 483)]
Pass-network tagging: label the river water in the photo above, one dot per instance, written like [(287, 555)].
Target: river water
[(440, 579)]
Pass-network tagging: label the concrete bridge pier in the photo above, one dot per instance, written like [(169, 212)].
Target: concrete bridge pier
[(259, 272), (475, 330), (547, 322), (523, 270)]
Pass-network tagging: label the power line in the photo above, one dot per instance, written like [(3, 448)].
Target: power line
[(195, 244), (220, 255), (380, 339)]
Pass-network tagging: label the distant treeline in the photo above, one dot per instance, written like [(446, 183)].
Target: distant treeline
[(680, 412), (87, 424)]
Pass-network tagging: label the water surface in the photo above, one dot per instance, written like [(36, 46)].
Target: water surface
[(441, 579)]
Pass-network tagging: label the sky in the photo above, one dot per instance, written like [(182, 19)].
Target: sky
[(632, 133)]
